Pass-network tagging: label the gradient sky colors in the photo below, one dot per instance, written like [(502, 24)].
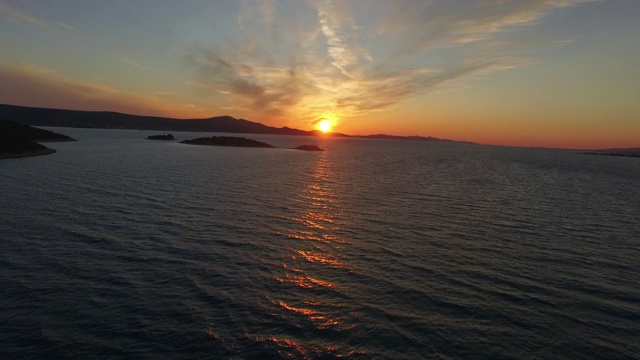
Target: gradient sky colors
[(556, 73)]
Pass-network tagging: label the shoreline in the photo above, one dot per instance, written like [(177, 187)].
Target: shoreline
[(26, 154), (617, 154), (56, 140)]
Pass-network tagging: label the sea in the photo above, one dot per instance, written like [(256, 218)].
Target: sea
[(118, 247)]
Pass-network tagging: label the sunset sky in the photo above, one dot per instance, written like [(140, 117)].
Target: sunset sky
[(553, 73)]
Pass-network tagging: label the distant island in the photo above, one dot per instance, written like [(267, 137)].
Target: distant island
[(413, 137), (240, 142), (19, 140), (308, 148), (161, 137), (618, 153), (114, 120)]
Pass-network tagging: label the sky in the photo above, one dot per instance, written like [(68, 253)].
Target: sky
[(544, 73)]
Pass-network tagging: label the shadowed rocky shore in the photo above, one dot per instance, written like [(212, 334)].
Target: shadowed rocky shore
[(18, 140)]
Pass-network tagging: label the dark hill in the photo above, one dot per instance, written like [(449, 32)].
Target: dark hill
[(115, 120), (413, 137), (17, 140), (21, 131), (10, 148)]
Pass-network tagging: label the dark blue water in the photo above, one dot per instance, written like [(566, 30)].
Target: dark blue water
[(121, 248)]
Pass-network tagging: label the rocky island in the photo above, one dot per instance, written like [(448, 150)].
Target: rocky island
[(226, 141), (620, 153), (161, 137), (240, 142), (18, 140), (308, 148)]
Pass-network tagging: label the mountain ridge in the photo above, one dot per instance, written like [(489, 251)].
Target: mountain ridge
[(37, 116)]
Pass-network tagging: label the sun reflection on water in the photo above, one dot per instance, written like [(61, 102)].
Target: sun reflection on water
[(312, 265), (322, 258)]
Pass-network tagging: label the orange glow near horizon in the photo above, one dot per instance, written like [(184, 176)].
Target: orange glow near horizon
[(477, 71)]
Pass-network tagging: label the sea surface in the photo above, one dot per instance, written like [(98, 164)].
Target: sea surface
[(117, 247)]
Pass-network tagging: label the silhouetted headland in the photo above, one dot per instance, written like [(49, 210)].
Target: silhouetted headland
[(161, 137), (227, 141), (19, 140), (114, 120), (308, 148), (15, 129), (412, 137)]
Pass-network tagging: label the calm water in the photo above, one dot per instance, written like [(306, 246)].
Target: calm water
[(122, 248)]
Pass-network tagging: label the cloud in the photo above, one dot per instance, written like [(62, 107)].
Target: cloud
[(337, 26), (269, 90), (436, 24), (22, 16), (60, 29), (13, 12), (352, 58), (37, 86)]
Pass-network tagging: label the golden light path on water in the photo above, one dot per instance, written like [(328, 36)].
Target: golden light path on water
[(312, 257)]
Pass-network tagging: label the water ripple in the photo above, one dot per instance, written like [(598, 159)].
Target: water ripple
[(370, 250)]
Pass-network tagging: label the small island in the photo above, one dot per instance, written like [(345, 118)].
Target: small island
[(227, 141), (161, 137), (19, 140), (621, 154), (308, 148), (240, 142)]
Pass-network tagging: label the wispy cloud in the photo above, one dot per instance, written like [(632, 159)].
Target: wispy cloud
[(351, 58), (59, 29), (251, 86), (436, 24), (16, 14), (337, 25), (32, 85)]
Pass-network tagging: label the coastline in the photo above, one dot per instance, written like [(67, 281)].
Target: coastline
[(26, 154)]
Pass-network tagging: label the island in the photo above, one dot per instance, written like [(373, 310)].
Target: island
[(18, 140), (161, 137), (619, 153), (308, 148), (227, 141), (240, 142)]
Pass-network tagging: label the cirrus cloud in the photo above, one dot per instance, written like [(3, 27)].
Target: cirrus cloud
[(31, 85), (354, 58)]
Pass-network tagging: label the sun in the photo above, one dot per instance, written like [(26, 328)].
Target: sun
[(324, 126)]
